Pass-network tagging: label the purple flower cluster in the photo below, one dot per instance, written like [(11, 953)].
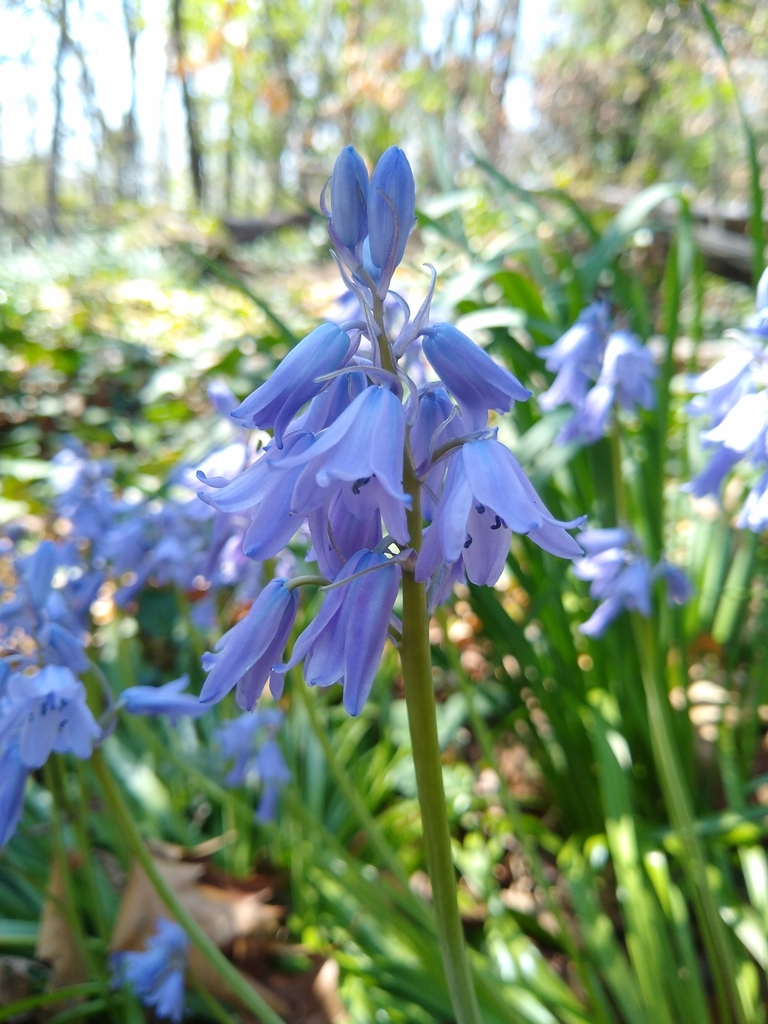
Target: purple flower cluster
[(596, 369), (359, 447), (42, 704), (734, 395), (175, 539), (621, 577)]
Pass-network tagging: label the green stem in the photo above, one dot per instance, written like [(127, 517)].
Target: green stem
[(416, 661), (619, 493), (227, 971), (59, 995), (674, 788), (68, 905), (680, 810), (86, 849)]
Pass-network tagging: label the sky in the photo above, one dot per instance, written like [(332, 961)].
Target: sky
[(28, 38)]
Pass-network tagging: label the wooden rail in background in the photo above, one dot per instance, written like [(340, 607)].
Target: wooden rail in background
[(721, 231)]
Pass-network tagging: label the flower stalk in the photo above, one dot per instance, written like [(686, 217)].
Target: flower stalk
[(240, 986), (416, 662)]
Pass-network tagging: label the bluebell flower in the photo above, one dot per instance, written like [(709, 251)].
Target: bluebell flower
[(436, 423), (339, 531), (363, 449), (266, 491), (391, 213), (743, 426), (221, 397), (47, 711), (348, 219), (733, 394), (239, 738), (325, 408), (13, 780), (679, 587), (249, 741), (244, 657), (485, 498), (37, 572), (621, 577), (576, 357), (469, 373), (273, 774), (754, 514), (295, 381), (711, 477), (156, 974), (625, 379), (345, 640), (337, 465), (84, 491), (168, 699), (719, 388)]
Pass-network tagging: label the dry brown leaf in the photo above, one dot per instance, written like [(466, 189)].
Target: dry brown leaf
[(56, 944), (224, 914)]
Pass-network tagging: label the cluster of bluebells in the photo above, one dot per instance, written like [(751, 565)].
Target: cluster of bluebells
[(43, 704), (734, 395), (156, 974), (366, 425), (46, 600), (174, 540), (597, 367), (621, 577)]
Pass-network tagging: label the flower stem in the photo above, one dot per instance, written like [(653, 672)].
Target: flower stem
[(416, 661), (238, 983), (422, 721)]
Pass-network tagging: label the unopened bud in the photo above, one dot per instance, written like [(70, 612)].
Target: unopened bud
[(349, 198), (391, 209)]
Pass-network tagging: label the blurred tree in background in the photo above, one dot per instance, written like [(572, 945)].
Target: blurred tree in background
[(636, 91), (255, 96)]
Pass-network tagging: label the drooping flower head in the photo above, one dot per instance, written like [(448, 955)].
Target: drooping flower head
[(621, 577), (46, 711), (597, 370), (250, 743), (363, 440), (156, 974), (734, 395)]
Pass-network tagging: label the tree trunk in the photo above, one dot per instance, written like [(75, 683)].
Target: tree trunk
[(193, 129), (54, 166), (128, 171)]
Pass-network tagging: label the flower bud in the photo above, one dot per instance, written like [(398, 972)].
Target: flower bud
[(349, 198), (469, 373), (391, 209)]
